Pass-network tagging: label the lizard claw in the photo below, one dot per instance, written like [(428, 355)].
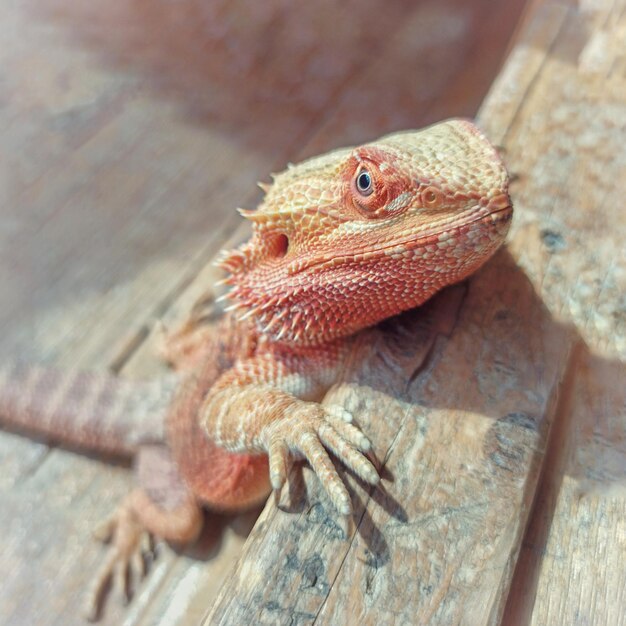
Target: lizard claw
[(126, 561), (310, 430)]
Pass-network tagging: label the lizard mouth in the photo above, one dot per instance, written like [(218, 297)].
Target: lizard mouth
[(497, 219)]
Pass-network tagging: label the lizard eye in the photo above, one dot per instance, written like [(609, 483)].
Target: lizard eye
[(372, 184), (364, 183)]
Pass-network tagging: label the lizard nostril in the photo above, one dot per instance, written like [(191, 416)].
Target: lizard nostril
[(431, 197)]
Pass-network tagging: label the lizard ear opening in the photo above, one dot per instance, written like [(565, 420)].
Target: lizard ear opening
[(280, 245)]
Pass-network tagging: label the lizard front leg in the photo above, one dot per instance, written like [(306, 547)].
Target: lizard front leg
[(264, 404)]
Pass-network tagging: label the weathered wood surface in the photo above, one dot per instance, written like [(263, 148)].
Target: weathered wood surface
[(461, 413), (567, 141), (130, 131)]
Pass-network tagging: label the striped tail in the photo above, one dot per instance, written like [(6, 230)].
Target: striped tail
[(85, 410)]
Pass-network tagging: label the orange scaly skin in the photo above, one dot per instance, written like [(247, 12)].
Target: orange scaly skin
[(331, 255), (340, 242)]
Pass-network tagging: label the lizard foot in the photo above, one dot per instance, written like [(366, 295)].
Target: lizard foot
[(177, 347), (130, 549), (307, 431)]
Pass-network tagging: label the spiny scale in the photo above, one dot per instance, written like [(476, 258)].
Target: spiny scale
[(256, 217), (277, 318), (231, 261), (345, 262)]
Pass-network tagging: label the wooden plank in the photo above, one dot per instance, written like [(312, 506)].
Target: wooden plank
[(121, 159), (440, 63), (567, 143)]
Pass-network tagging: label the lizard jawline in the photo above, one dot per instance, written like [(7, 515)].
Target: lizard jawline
[(494, 217)]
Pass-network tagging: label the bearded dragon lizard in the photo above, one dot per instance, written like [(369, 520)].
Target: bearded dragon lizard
[(340, 242)]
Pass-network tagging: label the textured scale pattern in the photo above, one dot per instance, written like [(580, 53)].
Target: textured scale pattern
[(340, 242), (86, 410), (315, 267)]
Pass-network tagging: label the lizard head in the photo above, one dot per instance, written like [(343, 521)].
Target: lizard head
[(347, 239)]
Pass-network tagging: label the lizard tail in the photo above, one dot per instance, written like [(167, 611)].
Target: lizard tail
[(89, 411)]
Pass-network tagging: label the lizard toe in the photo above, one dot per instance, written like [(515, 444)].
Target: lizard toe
[(125, 561), (319, 460), (350, 433), (346, 452), (278, 452), (337, 411)]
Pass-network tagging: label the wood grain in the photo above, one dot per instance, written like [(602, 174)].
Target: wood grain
[(567, 143)]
